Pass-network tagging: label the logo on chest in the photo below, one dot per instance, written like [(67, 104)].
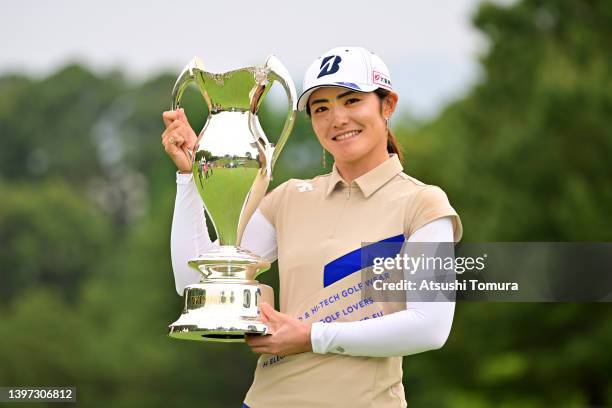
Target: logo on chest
[(304, 186)]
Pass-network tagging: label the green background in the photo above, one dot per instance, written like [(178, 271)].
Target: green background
[(86, 198)]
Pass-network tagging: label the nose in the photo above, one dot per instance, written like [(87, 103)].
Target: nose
[(339, 117)]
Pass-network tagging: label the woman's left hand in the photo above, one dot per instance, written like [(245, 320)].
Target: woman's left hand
[(288, 335)]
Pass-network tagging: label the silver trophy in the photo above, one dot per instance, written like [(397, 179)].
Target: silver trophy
[(232, 167)]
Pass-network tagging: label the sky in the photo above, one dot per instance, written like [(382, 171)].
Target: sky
[(430, 47)]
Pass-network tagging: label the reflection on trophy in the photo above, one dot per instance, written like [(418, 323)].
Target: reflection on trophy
[(232, 167)]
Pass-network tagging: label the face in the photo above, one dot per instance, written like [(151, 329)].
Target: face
[(349, 124)]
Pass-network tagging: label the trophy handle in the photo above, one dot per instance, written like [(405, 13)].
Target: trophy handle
[(279, 73), (190, 74), (187, 76)]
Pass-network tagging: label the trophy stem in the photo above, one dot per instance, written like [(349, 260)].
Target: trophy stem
[(229, 262)]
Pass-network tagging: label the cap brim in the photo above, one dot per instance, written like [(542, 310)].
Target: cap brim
[(303, 99)]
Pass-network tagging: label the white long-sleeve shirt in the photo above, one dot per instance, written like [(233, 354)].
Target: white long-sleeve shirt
[(421, 327)]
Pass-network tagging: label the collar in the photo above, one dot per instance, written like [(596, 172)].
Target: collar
[(372, 180)]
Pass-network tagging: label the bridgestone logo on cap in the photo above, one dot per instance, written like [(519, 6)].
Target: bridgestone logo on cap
[(329, 67)]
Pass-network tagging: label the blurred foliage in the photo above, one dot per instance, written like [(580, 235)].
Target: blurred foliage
[(86, 196), (50, 236)]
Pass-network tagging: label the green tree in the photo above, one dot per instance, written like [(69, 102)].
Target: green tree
[(50, 235), (523, 157)]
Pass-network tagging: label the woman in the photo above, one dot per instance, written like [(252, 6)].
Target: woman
[(318, 354)]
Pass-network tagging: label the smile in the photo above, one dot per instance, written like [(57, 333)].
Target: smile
[(347, 135)]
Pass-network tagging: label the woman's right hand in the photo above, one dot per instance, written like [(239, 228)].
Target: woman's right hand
[(178, 139)]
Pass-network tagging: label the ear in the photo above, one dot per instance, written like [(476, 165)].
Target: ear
[(389, 104)]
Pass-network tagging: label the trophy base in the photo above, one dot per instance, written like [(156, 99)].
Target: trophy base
[(222, 310), (226, 332)]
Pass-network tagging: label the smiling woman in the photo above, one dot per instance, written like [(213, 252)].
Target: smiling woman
[(325, 339), (352, 126)]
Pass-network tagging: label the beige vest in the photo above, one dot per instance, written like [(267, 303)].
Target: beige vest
[(317, 222)]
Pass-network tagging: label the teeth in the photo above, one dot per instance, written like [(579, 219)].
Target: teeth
[(347, 135)]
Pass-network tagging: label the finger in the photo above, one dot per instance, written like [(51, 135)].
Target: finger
[(167, 136), (169, 117), (268, 311), (177, 124), (177, 138), (181, 115), (175, 130), (170, 148), (259, 342), (256, 340), (191, 140), (183, 124), (169, 130), (172, 141), (264, 316)]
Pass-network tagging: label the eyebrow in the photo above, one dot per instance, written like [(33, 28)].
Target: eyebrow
[(342, 95)]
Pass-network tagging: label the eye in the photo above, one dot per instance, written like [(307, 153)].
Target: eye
[(351, 101), (320, 109)]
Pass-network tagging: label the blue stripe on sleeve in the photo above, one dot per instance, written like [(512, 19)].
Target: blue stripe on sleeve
[(352, 262)]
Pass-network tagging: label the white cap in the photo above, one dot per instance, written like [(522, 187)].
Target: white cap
[(347, 67)]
